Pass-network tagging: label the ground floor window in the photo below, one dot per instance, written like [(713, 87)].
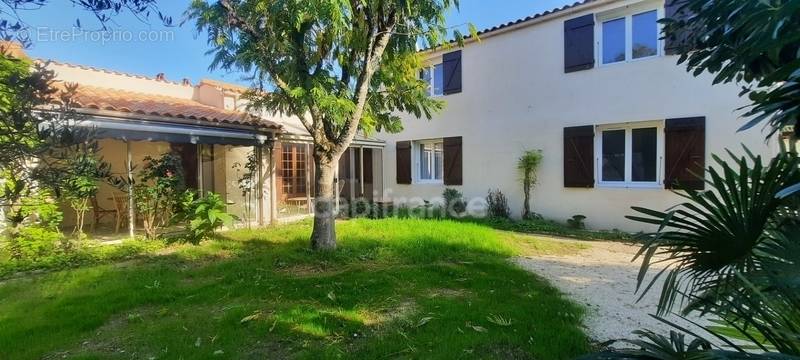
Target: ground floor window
[(630, 154), (430, 165)]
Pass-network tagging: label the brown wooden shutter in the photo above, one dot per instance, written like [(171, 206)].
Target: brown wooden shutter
[(579, 156), (685, 153), (453, 163), (403, 149), (452, 72), (579, 43), (674, 9)]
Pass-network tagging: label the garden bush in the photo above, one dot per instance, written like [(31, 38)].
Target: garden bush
[(454, 203), (497, 205), (160, 191), (34, 243), (203, 215)]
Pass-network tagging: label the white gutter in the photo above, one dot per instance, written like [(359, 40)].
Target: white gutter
[(127, 125)]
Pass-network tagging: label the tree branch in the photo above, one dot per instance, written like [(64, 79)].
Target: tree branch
[(378, 43)]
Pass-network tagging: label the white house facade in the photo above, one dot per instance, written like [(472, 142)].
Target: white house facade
[(593, 87)]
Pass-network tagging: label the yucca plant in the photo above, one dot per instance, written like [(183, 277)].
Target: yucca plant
[(528, 167), (707, 240)]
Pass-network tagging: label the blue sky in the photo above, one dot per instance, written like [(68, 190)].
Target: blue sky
[(178, 51)]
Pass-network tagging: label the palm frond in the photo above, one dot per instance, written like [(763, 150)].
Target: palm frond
[(716, 233)]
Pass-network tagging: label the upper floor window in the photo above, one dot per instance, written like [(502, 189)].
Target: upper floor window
[(434, 76), (629, 36)]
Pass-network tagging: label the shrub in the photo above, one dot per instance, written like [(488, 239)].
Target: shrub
[(203, 216), (36, 242), (160, 191), (41, 210), (497, 205), (454, 203), (576, 222), (81, 176)]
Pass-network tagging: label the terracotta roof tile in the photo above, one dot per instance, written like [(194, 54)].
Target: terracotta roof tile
[(92, 97), (109, 71)]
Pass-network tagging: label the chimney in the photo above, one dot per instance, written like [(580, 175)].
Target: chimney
[(186, 82), (161, 77)]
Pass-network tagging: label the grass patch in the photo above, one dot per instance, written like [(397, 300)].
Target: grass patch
[(532, 245), (394, 289), (549, 227), (86, 253)]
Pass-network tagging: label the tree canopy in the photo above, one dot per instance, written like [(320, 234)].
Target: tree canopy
[(756, 43), (13, 25), (329, 61), (340, 66)]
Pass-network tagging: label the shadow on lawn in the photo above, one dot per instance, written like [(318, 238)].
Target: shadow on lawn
[(398, 289)]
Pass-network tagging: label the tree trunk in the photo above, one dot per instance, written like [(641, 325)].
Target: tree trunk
[(526, 189), (323, 236)]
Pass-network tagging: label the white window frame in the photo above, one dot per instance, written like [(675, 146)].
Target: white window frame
[(432, 84), (629, 127), (627, 13), (417, 153)]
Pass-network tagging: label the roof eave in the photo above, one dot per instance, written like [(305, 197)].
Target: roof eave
[(522, 23), (267, 128)]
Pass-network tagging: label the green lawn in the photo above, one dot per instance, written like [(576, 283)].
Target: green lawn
[(393, 289)]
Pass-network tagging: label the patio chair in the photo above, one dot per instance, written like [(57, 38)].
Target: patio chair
[(121, 207), (99, 212)]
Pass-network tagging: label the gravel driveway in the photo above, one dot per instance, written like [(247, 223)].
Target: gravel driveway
[(604, 279)]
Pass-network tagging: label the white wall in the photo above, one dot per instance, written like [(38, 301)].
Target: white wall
[(516, 96)]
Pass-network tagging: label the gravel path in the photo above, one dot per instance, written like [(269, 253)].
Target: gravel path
[(604, 279)]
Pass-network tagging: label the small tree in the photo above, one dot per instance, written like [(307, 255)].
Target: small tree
[(32, 141), (159, 191), (80, 182), (528, 165), (338, 66), (246, 181)]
